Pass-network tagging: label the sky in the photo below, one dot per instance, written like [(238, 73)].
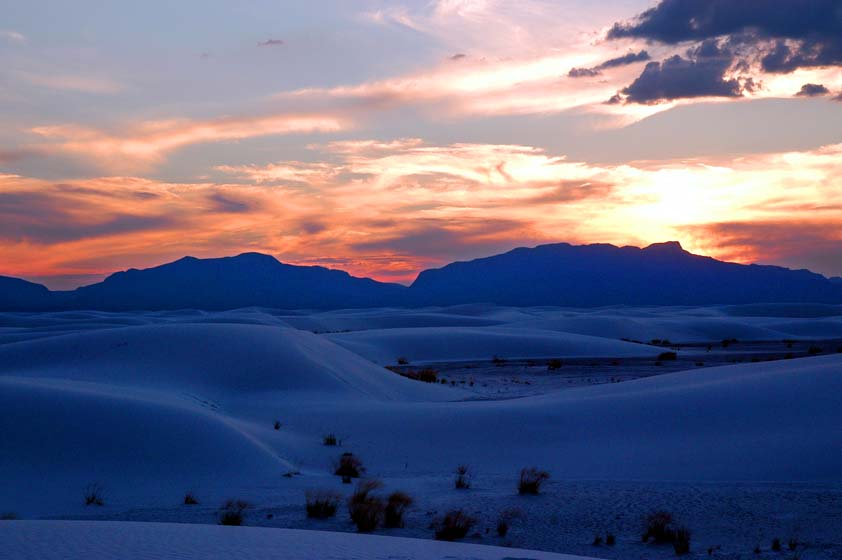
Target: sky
[(383, 138)]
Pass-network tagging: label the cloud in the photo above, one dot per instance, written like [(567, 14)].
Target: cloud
[(271, 43), (813, 244), (458, 56), (680, 78), (812, 90), (68, 82), (12, 36), (626, 59), (784, 34), (393, 207), (145, 144)]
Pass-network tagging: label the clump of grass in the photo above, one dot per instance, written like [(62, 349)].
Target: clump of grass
[(93, 494), (554, 364), (427, 375), (531, 480), (667, 357), (365, 509), (659, 527), (597, 540), (454, 525), (504, 520), (498, 361), (792, 544), (277, 425), (815, 350), (8, 516), (776, 544), (610, 539), (396, 505), (190, 499), (402, 361), (233, 512), (321, 504), (348, 467), (463, 477), (330, 440), (681, 541)]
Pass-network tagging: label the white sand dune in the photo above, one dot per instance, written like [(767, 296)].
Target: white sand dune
[(54, 540), (384, 346), (187, 401)]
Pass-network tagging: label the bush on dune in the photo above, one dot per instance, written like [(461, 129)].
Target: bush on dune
[(321, 504), (190, 499), (531, 480), (463, 477), (330, 440), (396, 505), (94, 495), (661, 529), (348, 467), (454, 525), (233, 512), (365, 509)]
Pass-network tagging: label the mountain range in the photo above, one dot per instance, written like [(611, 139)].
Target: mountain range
[(556, 274)]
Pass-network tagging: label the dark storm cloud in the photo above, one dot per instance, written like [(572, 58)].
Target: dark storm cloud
[(779, 35), (677, 78), (812, 90), (626, 59)]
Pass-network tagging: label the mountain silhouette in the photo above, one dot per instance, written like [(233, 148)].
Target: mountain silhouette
[(595, 275), (557, 274)]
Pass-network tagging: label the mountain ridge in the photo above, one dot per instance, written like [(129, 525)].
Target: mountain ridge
[(557, 274)]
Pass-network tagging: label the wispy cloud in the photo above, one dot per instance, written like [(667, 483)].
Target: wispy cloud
[(141, 145), (11, 36), (271, 43), (69, 82)]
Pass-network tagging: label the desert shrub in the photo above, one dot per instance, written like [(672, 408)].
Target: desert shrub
[(330, 440), (792, 544), (463, 477), (232, 512), (814, 350), (531, 480), (402, 361), (396, 505), (726, 342), (190, 499), (8, 516), (277, 425), (597, 540), (348, 467), (659, 527), (321, 504), (554, 364), (610, 539), (667, 357), (498, 361), (776, 545), (505, 519), (839, 350), (427, 375), (93, 494), (365, 509), (454, 525), (681, 541)]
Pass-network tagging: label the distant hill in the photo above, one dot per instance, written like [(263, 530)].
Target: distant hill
[(250, 279), (557, 274), (595, 275), (20, 295)]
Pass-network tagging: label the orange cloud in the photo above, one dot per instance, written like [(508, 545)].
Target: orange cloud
[(388, 209), (147, 143)]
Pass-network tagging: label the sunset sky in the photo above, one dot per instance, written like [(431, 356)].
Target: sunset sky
[(383, 138)]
